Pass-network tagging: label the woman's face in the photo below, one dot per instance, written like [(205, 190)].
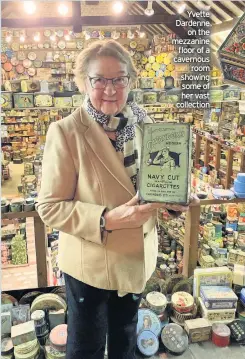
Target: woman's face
[(109, 100)]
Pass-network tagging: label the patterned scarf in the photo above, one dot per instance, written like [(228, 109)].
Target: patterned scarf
[(121, 131)]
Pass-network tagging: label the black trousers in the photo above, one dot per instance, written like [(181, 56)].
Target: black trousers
[(94, 313)]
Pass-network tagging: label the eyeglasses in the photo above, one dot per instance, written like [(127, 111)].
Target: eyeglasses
[(101, 82)]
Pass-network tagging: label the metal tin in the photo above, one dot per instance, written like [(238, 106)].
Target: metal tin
[(237, 328), (52, 353), (242, 296), (214, 315), (69, 86), (6, 100), (13, 85), (146, 83), (77, 100), (156, 301), (174, 338), (147, 343), (63, 102), (23, 100), (182, 302), (138, 96), (182, 317), (16, 205), (7, 346), (43, 338), (39, 317), (30, 86), (149, 97), (43, 100), (148, 320), (58, 337), (23, 333), (198, 329), (218, 297), (221, 334), (48, 301)]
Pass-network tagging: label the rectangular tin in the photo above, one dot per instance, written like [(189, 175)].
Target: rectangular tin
[(6, 100), (198, 330), (218, 297), (23, 100), (23, 333), (43, 99), (217, 315), (211, 276), (165, 163), (63, 102)]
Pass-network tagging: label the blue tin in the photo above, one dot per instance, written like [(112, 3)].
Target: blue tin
[(232, 225), (148, 343), (242, 296), (148, 320)]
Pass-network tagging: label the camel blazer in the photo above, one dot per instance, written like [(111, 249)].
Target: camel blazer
[(81, 176)]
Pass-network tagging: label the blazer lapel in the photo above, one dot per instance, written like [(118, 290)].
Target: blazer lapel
[(103, 149)]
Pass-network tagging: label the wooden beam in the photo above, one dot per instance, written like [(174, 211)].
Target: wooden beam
[(166, 19), (239, 4), (76, 16), (225, 9), (225, 26), (214, 12), (41, 255)]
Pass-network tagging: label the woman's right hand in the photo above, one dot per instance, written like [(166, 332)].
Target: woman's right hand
[(130, 214)]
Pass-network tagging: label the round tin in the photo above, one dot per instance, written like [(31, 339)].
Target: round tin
[(39, 317), (20, 69), (182, 317), (7, 346), (156, 301), (174, 338), (182, 302), (14, 61), (41, 329), (21, 55), (15, 46), (52, 353), (58, 337), (43, 338), (221, 335), (26, 348), (4, 58), (148, 343), (148, 320), (16, 204), (7, 66), (32, 56), (31, 71), (7, 299), (37, 63), (47, 33), (28, 298), (61, 45), (27, 63)]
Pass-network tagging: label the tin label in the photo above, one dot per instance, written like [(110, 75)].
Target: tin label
[(165, 163)]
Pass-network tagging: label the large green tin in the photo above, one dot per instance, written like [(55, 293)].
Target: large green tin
[(165, 169)]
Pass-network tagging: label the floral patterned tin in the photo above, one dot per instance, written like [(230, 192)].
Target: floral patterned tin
[(146, 83), (22, 100), (6, 100), (63, 102), (150, 97), (43, 99)]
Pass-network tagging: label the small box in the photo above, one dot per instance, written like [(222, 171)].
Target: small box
[(6, 323), (23, 100), (232, 94), (77, 100), (239, 275), (63, 102), (23, 333), (6, 100), (218, 297), (199, 330), (217, 315)]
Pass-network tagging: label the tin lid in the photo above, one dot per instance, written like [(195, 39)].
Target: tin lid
[(58, 335), (156, 299), (174, 338), (7, 346), (52, 353), (221, 330), (37, 315), (148, 320), (17, 201), (147, 343), (30, 200), (182, 300)]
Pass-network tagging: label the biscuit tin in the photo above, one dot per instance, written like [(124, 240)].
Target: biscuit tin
[(146, 83), (48, 301), (23, 333), (7, 347), (147, 343), (165, 163), (23, 100), (63, 102), (58, 337), (217, 315), (211, 276), (218, 297), (237, 328), (6, 100), (174, 338), (77, 100), (156, 301), (221, 334), (182, 302), (198, 330), (148, 320), (43, 99)]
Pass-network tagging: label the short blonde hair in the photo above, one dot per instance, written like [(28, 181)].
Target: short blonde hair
[(98, 49)]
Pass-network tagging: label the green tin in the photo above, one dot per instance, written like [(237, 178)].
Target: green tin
[(166, 163)]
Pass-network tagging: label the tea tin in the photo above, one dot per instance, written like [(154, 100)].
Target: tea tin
[(150, 97), (198, 330), (63, 102), (148, 320), (174, 338), (43, 99), (52, 353), (23, 333), (218, 297), (221, 334), (217, 315), (22, 100), (16, 204), (137, 96), (147, 343), (146, 83), (156, 301), (6, 100), (77, 100)]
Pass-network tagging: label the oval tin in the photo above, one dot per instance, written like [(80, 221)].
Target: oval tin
[(148, 320)]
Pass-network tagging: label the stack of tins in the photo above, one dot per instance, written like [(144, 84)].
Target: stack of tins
[(38, 316), (58, 339), (184, 307), (7, 349), (148, 331), (28, 350), (221, 334)]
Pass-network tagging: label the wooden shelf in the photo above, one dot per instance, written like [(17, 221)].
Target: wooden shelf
[(204, 202), (14, 266), (11, 215)]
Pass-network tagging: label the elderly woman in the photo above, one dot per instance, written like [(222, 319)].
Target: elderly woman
[(108, 241)]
